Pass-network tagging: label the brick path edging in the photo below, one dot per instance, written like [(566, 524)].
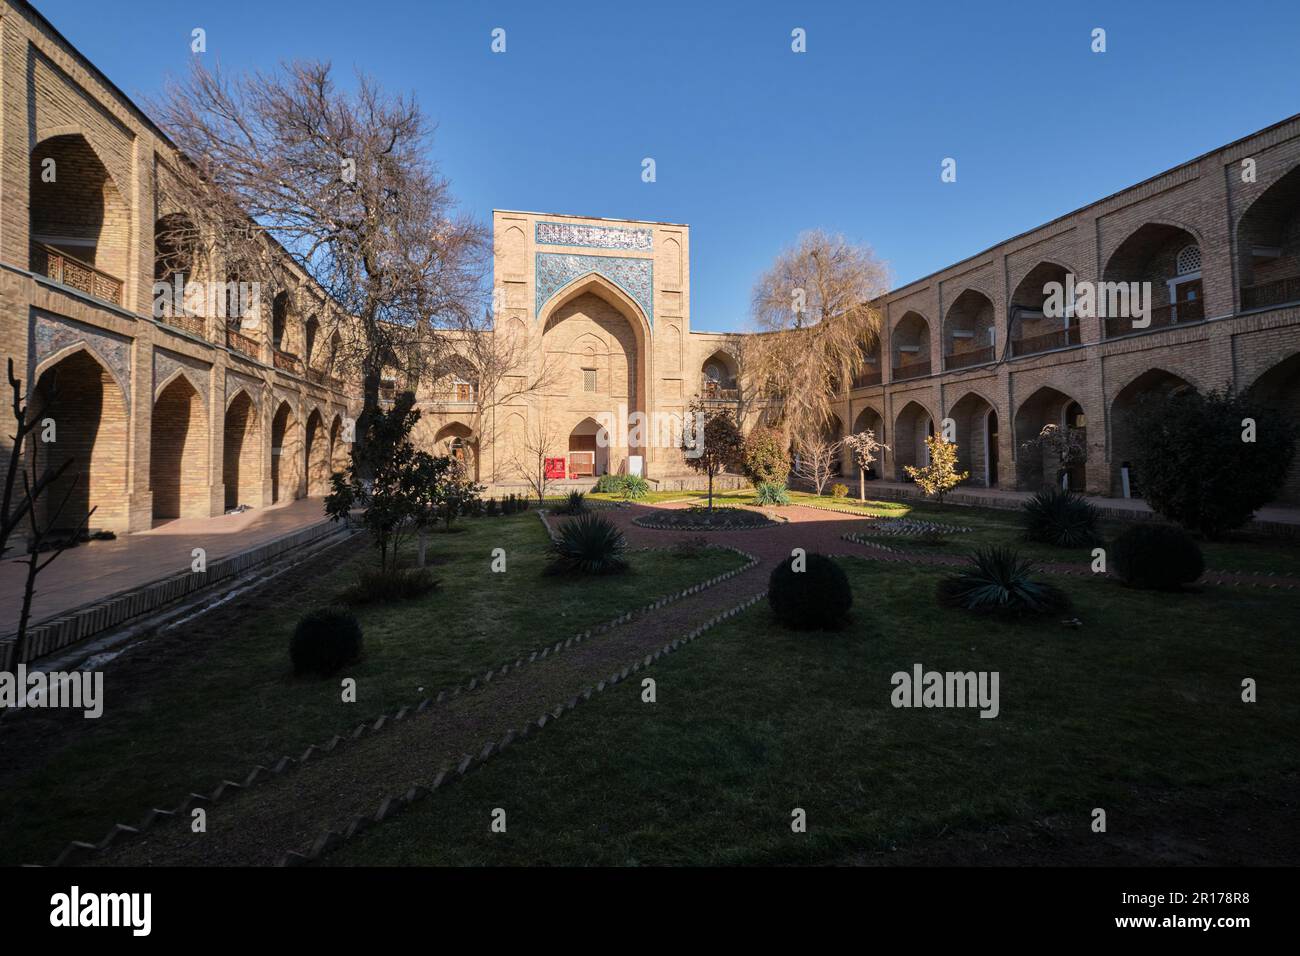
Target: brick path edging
[(78, 851), (393, 804)]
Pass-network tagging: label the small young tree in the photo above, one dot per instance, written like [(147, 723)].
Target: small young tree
[(381, 476), (460, 491), (815, 461), (1068, 446), (426, 482), (765, 461), (714, 446), (538, 443), (1210, 461), (865, 451), (940, 476)]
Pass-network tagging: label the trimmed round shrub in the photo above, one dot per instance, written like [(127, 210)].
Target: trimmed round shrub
[(818, 597), (999, 581), (325, 640), (1059, 517), (770, 493), (588, 544), (1160, 557), (839, 491)]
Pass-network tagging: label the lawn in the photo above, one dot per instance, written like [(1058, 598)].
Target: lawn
[(183, 714), (752, 722)]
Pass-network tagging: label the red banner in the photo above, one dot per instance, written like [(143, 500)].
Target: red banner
[(555, 468)]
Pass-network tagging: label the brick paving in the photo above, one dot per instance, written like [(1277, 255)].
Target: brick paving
[(92, 571)]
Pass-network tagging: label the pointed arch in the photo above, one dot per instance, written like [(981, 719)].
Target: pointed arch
[(80, 394), (241, 457), (178, 451)]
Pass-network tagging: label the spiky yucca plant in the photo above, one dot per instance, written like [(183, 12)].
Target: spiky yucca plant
[(575, 504), (1060, 517), (588, 544), (999, 581)]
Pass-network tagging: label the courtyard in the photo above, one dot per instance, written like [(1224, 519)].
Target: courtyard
[(521, 692)]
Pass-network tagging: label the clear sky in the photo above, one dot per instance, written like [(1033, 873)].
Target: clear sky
[(752, 142)]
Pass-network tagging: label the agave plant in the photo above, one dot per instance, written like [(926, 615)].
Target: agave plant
[(1000, 581), (588, 544), (1060, 517)]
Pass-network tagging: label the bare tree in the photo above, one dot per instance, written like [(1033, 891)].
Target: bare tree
[(814, 304), (342, 181), (506, 371), (44, 541), (815, 460), (540, 441), (14, 510)]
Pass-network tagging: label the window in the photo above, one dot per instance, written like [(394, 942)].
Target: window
[(1188, 260), (588, 379)]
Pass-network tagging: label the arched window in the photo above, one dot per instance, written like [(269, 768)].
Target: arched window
[(1188, 260)]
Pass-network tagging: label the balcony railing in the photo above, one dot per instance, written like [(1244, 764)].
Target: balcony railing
[(241, 343), (75, 274), (1061, 338), (867, 379), (1266, 294), (191, 323), (967, 359), (456, 396), (1161, 317), (287, 361), (911, 370), (712, 391)]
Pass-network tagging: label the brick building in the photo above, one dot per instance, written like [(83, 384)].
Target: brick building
[(186, 412)]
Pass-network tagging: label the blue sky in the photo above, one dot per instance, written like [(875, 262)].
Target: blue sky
[(754, 143)]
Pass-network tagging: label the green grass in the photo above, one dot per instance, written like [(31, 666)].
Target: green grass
[(229, 701), (1240, 551), (752, 721)]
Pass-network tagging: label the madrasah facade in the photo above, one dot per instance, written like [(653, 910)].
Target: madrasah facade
[(184, 413)]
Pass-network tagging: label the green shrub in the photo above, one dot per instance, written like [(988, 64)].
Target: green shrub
[(588, 544), (627, 487), (839, 491), (325, 640), (1156, 556), (1192, 466), (375, 586), (634, 488), (772, 494), (999, 581), (575, 504), (493, 509), (818, 597), (1059, 517), (765, 459)]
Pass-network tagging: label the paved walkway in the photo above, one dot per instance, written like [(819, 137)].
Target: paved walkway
[(97, 569), (291, 811)]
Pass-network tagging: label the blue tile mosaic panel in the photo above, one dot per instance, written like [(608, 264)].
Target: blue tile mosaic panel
[(634, 276)]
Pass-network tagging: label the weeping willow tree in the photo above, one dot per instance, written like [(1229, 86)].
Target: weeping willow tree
[(814, 307)]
